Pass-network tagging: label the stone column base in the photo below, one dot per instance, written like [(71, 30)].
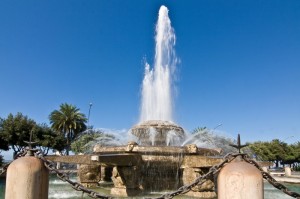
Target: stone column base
[(125, 192)]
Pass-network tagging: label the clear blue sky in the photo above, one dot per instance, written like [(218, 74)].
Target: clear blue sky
[(240, 62)]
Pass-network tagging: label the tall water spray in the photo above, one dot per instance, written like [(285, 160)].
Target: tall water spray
[(157, 88)]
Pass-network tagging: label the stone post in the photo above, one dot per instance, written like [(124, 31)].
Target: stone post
[(241, 180), (287, 171), (27, 177)]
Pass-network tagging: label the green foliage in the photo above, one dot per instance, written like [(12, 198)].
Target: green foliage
[(276, 151), (207, 138), (91, 137), (199, 129), (15, 129), (47, 139), (80, 145), (1, 160), (3, 140), (69, 121)]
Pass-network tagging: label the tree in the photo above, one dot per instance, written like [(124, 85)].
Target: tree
[(292, 154), (276, 151), (69, 121), (199, 129), (3, 140), (48, 139), (279, 151), (91, 137), (205, 137), (15, 129), (80, 145), (262, 151)]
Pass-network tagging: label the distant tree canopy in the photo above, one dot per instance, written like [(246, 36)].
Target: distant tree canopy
[(86, 141), (208, 138), (48, 139), (69, 122), (15, 129), (3, 141), (276, 151)]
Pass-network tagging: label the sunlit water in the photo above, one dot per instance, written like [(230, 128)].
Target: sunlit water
[(62, 190), (157, 85)]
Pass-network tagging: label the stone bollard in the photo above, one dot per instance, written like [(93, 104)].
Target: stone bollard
[(240, 180), (27, 178), (265, 169), (287, 171)]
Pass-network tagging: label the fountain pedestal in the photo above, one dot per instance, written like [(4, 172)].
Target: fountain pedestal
[(89, 175), (158, 133), (126, 180), (139, 169)]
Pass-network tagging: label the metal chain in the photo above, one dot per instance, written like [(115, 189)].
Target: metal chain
[(65, 177), (182, 190), (22, 153), (200, 180), (271, 180), (4, 168)]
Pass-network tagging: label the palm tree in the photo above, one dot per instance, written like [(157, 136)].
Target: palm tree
[(69, 121)]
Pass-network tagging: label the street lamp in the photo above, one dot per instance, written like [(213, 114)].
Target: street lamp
[(217, 126), (88, 120)]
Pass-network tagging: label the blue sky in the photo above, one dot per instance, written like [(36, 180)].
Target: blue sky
[(239, 62)]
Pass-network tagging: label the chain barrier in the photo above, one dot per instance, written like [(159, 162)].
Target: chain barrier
[(182, 190), (271, 180), (65, 177), (22, 153), (200, 180)]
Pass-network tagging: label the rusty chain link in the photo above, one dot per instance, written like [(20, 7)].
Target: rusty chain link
[(22, 153), (4, 169), (65, 177), (271, 180), (200, 180)]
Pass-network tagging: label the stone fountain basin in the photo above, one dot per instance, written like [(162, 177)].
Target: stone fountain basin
[(187, 156), (134, 168), (132, 154)]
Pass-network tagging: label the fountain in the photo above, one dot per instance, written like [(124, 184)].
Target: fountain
[(156, 126), (155, 161)]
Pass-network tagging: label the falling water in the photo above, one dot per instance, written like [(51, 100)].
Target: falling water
[(157, 84)]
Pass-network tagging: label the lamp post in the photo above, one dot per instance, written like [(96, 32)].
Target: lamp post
[(217, 126), (88, 120)]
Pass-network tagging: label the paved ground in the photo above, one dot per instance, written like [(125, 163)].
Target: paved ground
[(294, 178)]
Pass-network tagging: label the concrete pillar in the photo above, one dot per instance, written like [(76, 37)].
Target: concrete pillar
[(240, 180), (287, 171), (27, 178)]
